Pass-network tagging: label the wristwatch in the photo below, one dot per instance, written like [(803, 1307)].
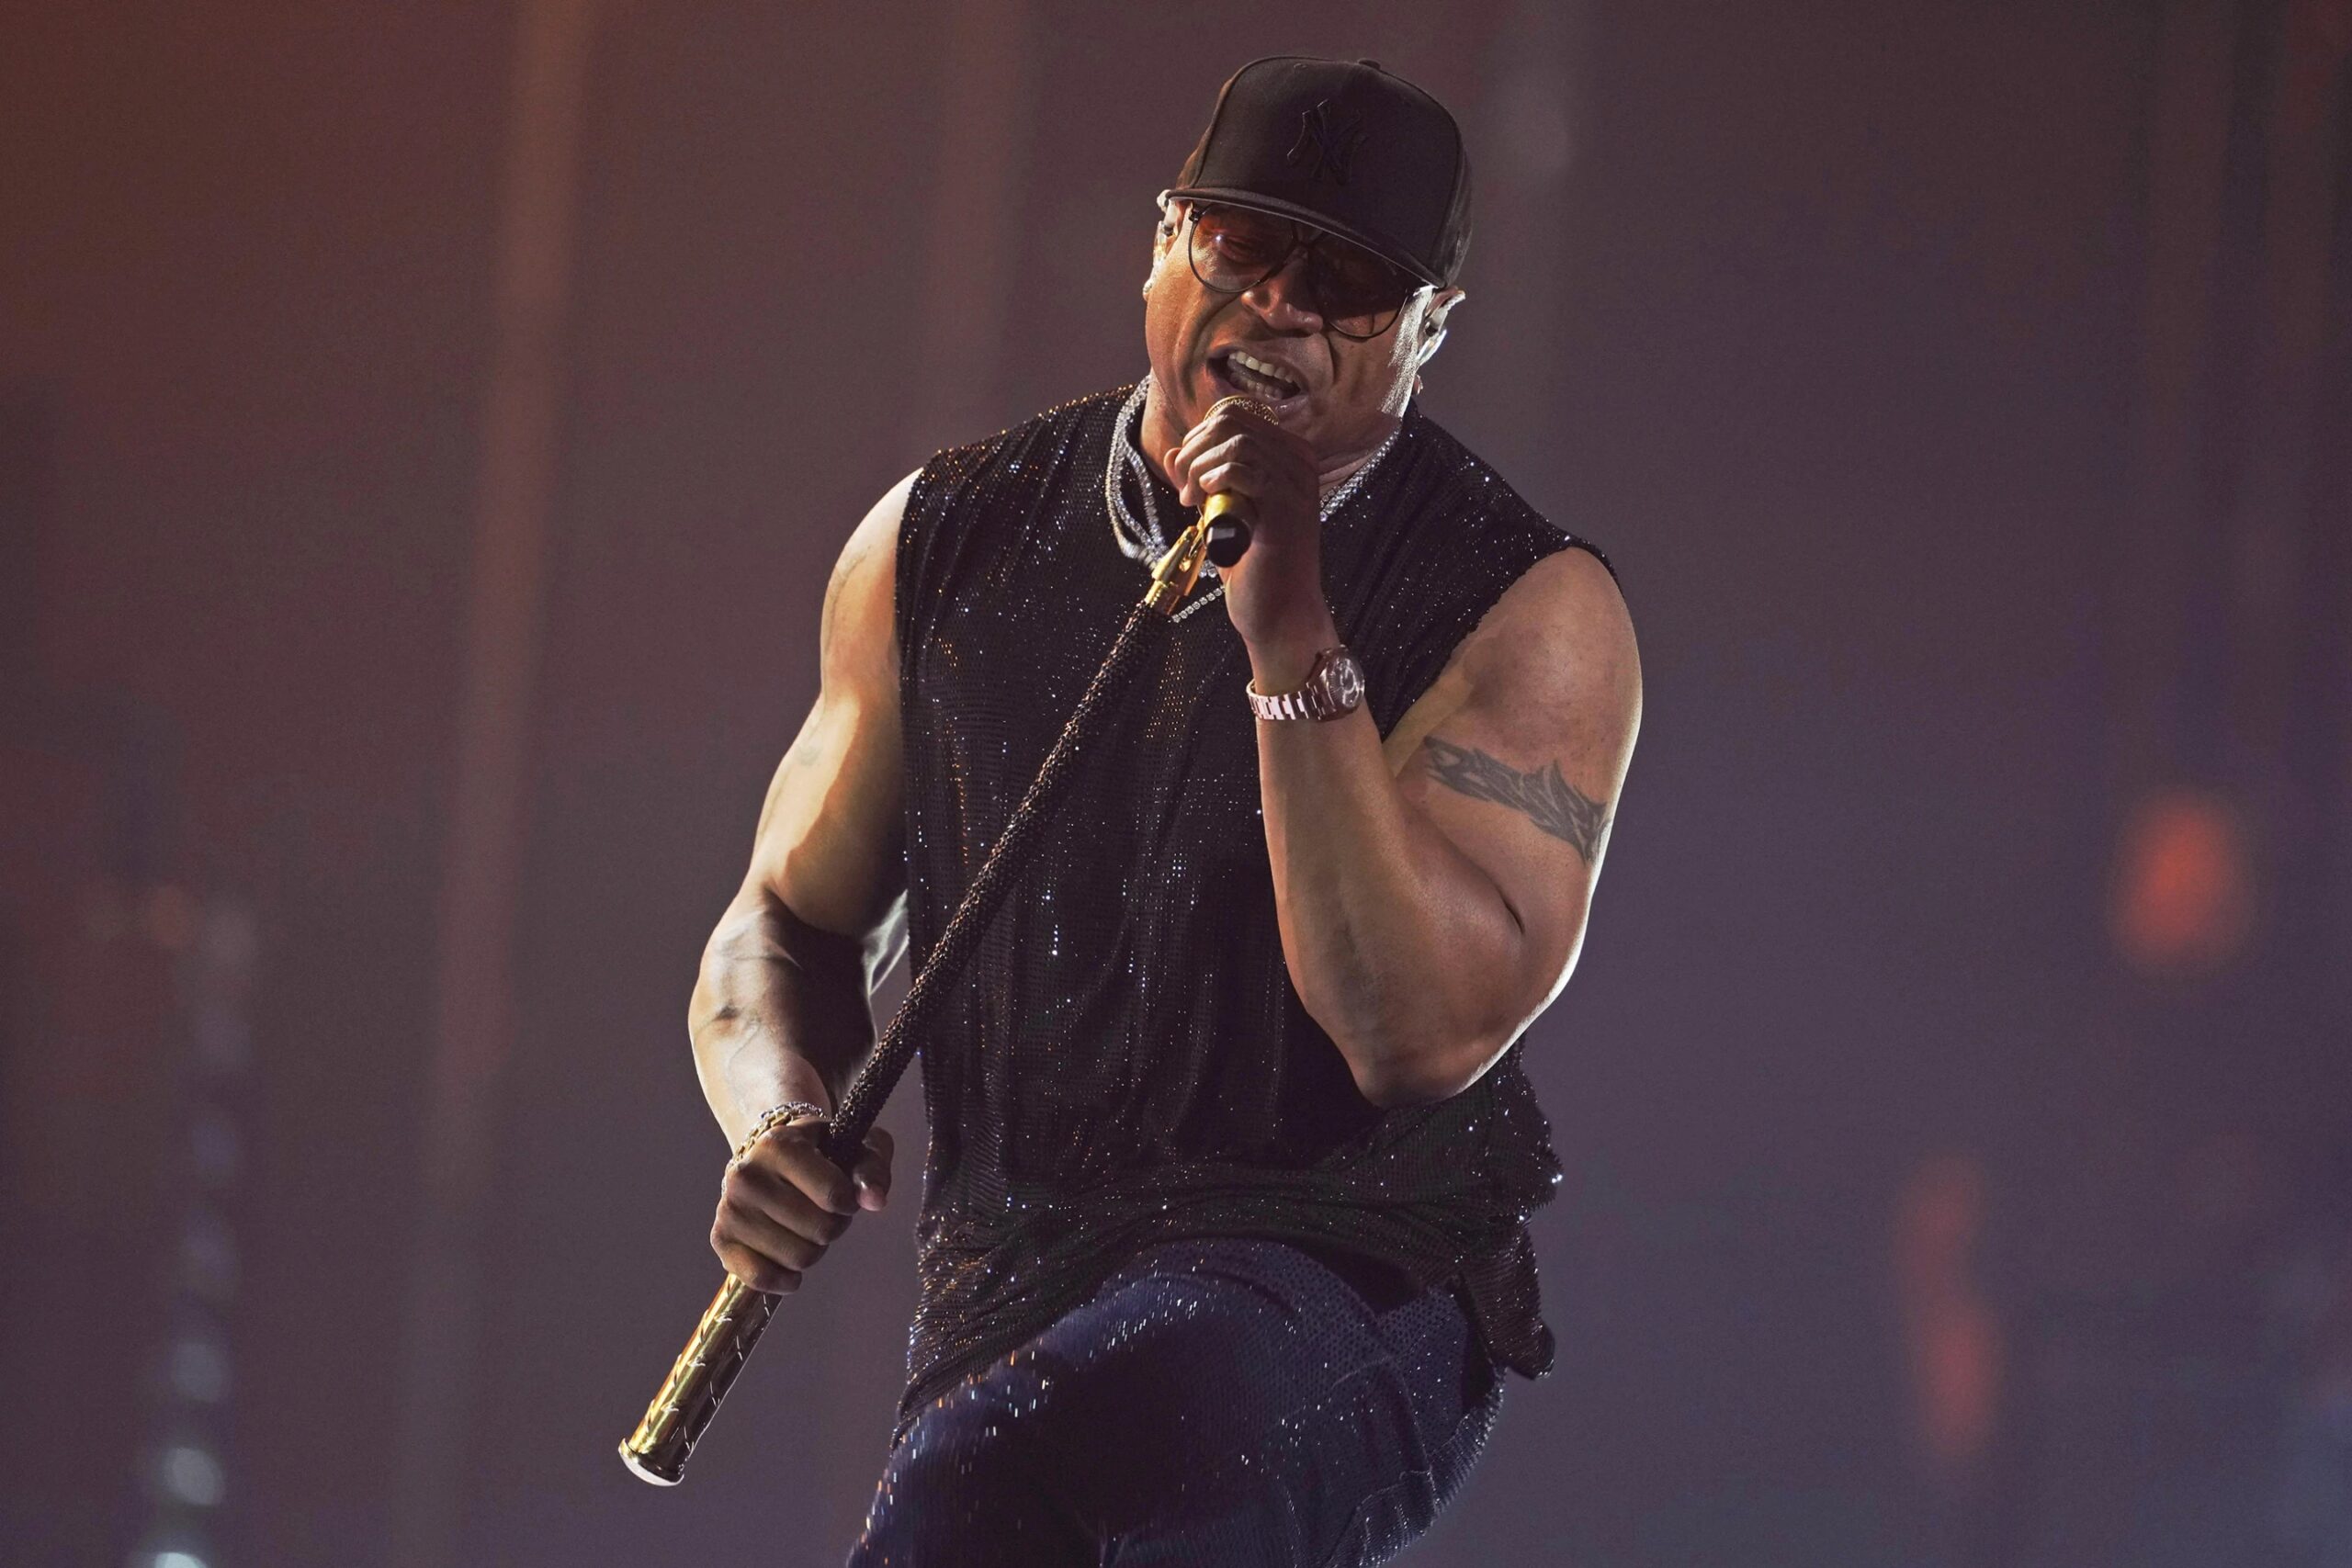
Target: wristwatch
[(1334, 685)]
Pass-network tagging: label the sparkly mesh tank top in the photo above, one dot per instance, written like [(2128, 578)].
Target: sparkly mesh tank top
[(1124, 1060)]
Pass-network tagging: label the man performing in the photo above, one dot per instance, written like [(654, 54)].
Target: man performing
[(1223, 1245)]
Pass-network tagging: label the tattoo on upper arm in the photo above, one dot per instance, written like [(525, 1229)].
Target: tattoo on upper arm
[(1544, 797)]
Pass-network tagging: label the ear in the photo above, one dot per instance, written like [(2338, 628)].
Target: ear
[(1172, 219), (1159, 255), (1433, 324)]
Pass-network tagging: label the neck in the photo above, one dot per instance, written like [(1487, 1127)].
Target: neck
[(1162, 433)]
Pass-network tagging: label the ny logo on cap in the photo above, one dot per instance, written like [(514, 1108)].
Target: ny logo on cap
[(1329, 142)]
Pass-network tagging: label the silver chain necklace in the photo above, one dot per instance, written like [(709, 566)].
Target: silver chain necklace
[(1143, 541)]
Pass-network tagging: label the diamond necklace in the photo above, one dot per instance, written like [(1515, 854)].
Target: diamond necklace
[(1144, 541)]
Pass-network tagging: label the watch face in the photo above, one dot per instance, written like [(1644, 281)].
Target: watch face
[(1343, 681)]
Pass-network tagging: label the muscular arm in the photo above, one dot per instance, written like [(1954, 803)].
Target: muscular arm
[(1432, 897), (780, 1007)]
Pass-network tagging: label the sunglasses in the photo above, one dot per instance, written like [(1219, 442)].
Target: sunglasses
[(1235, 249)]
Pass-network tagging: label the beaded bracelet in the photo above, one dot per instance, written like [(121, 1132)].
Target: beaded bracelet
[(774, 1116)]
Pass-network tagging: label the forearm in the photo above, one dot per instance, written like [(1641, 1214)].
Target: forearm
[(1398, 945), (779, 1013)]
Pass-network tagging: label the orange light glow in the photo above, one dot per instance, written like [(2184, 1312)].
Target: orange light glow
[(2183, 888), (1953, 1342)]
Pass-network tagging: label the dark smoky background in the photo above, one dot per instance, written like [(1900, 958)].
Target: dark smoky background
[(424, 433)]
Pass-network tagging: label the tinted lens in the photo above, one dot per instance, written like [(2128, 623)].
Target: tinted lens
[(1233, 250), (1357, 294)]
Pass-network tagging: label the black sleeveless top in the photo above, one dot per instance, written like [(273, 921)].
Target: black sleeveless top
[(1125, 1061)]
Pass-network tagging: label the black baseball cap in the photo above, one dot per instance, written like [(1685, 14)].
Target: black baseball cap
[(1346, 146)]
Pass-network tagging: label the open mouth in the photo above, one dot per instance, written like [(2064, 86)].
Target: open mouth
[(1240, 371)]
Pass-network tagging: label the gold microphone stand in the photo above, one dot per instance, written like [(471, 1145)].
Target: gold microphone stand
[(658, 1451)]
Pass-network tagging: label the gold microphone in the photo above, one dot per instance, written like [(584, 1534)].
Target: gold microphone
[(658, 1451), (1228, 521), (1229, 517)]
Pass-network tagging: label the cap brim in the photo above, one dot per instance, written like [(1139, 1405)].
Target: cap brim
[(1385, 250)]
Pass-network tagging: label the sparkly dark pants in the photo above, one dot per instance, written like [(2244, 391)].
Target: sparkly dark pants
[(1226, 1400)]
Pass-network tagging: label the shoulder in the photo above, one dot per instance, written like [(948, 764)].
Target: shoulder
[(1551, 656), (1569, 600), (857, 636), (1555, 660), (877, 529)]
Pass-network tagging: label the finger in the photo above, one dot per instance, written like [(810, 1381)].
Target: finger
[(1235, 434), (1180, 474), (772, 1194), (1274, 488), (1206, 445), (1231, 479), (872, 1173), (1235, 415), (1176, 462), (794, 1156), (1232, 415), (747, 1226), (1217, 427), (1222, 424), (1241, 443), (760, 1273)]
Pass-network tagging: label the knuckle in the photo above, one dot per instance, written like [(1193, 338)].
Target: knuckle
[(760, 1272), (826, 1184), (814, 1185)]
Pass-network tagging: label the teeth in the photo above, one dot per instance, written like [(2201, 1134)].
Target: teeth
[(1259, 367)]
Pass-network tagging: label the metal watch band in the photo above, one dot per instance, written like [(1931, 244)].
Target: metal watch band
[(1334, 685)]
